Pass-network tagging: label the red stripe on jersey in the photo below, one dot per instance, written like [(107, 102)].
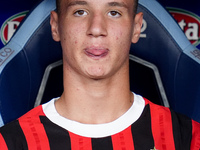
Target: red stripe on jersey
[(195, 143), (79, 142), (123, 140), (3, 145), (162, 129), (33, 130)]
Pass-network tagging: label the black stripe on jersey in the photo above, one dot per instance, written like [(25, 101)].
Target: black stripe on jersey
[(102, 143), (141, 131), (56, 135), (14, 136), (182, 130)]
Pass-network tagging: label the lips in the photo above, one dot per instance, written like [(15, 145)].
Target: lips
[(96, 52)]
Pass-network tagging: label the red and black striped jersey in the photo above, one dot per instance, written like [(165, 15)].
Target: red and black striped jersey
[(145, 126)]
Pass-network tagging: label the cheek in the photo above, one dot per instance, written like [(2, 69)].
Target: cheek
[(123, 39), (117, 36), (70, 32), (120, 32), (122, 45), (69, 39)]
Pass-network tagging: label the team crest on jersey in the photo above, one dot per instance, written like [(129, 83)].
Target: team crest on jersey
[(154, 149), (189, 23), (10, 25)]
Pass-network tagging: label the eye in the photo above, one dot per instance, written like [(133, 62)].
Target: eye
[(114, 14), (79, 13)]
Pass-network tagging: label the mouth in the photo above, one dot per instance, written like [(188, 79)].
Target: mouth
[(96, 52)]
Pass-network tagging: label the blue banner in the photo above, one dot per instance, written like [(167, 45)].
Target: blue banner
[(12, 12), (186, 13)]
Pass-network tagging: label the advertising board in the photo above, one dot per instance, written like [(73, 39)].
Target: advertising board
[(12, 12), (186, 13)]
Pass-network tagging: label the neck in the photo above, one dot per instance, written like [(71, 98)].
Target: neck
[(95, 101)]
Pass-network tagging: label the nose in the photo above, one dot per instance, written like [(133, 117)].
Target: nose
[(97, 26)]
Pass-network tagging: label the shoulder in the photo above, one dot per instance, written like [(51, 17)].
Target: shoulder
[(33, 113), (11, 136), (15, 126), (184, 130), (13, 133), (176, 118), (159, 112), (31, 117)]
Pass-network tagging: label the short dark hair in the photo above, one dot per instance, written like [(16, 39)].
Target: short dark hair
[(58, 6), (59, 1), (135, 6)]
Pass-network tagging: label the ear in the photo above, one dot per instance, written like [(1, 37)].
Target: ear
[(54, 26), (137, 27)]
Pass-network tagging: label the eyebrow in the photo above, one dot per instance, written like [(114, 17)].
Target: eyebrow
[(76, 3), (119, 4)]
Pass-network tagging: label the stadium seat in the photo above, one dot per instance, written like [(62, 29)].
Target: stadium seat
[(164, 66)]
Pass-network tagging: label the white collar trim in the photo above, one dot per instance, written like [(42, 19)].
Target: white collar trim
[(96, 130)]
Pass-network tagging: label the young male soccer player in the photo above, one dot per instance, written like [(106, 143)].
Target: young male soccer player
[(97, 110)]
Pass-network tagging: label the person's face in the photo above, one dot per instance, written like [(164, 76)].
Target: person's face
[(96, 35)]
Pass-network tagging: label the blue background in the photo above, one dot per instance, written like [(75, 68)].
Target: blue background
[(12, 7)]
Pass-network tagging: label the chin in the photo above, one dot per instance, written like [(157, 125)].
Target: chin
[(96, 76), (96, 71)]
